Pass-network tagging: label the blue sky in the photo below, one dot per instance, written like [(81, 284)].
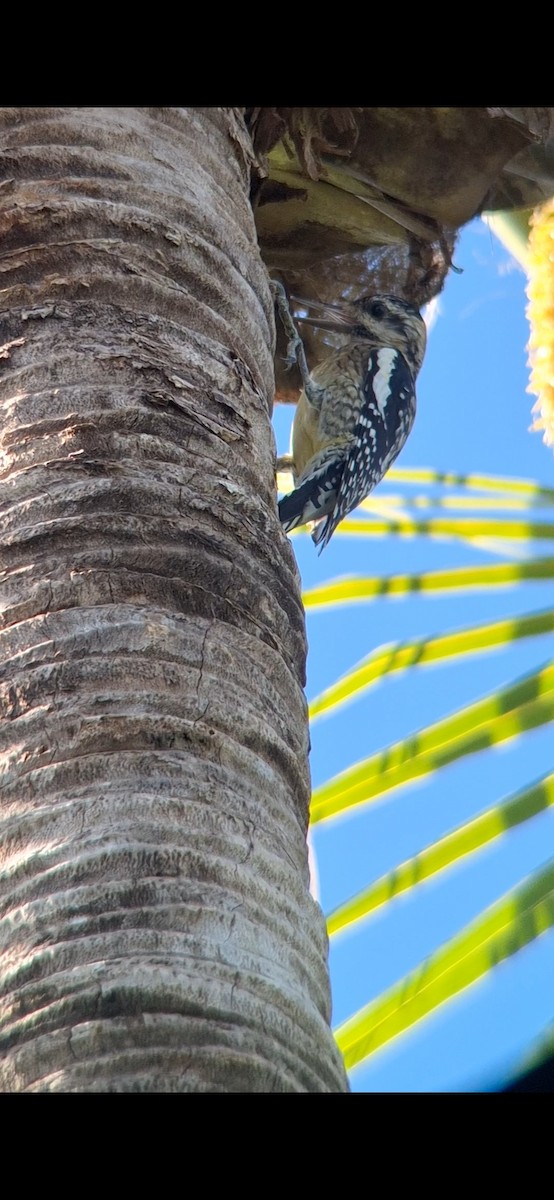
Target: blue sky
[(474, 414)]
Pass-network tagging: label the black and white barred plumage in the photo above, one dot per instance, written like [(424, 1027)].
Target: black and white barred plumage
[(355, 411)]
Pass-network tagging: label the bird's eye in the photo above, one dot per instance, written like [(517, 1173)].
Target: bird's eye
[(376, 309)]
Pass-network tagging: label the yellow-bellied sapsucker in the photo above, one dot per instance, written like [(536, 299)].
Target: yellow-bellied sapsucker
[(355, 411)]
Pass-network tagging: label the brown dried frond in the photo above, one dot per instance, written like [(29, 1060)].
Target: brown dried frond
[(313, 133)]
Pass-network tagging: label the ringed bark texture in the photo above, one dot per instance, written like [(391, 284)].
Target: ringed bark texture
[(157, 933)]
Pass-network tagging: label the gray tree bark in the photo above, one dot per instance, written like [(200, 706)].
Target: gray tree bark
[(156, 928)]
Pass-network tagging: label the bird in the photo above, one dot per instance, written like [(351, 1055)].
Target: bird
[(356, 408)]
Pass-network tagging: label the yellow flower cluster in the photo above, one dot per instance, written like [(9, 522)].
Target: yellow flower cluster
[(540, 312)]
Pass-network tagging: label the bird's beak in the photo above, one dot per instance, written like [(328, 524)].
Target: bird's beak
[(334, 317), (338, 325)]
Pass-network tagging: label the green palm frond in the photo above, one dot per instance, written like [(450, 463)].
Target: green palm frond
[(507, 515), (464, 841), (501, 931)]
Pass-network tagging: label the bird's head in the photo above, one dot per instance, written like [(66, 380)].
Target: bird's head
[(381, 320)]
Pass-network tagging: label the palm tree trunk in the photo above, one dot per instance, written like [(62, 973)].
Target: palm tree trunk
[(157, 932)]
